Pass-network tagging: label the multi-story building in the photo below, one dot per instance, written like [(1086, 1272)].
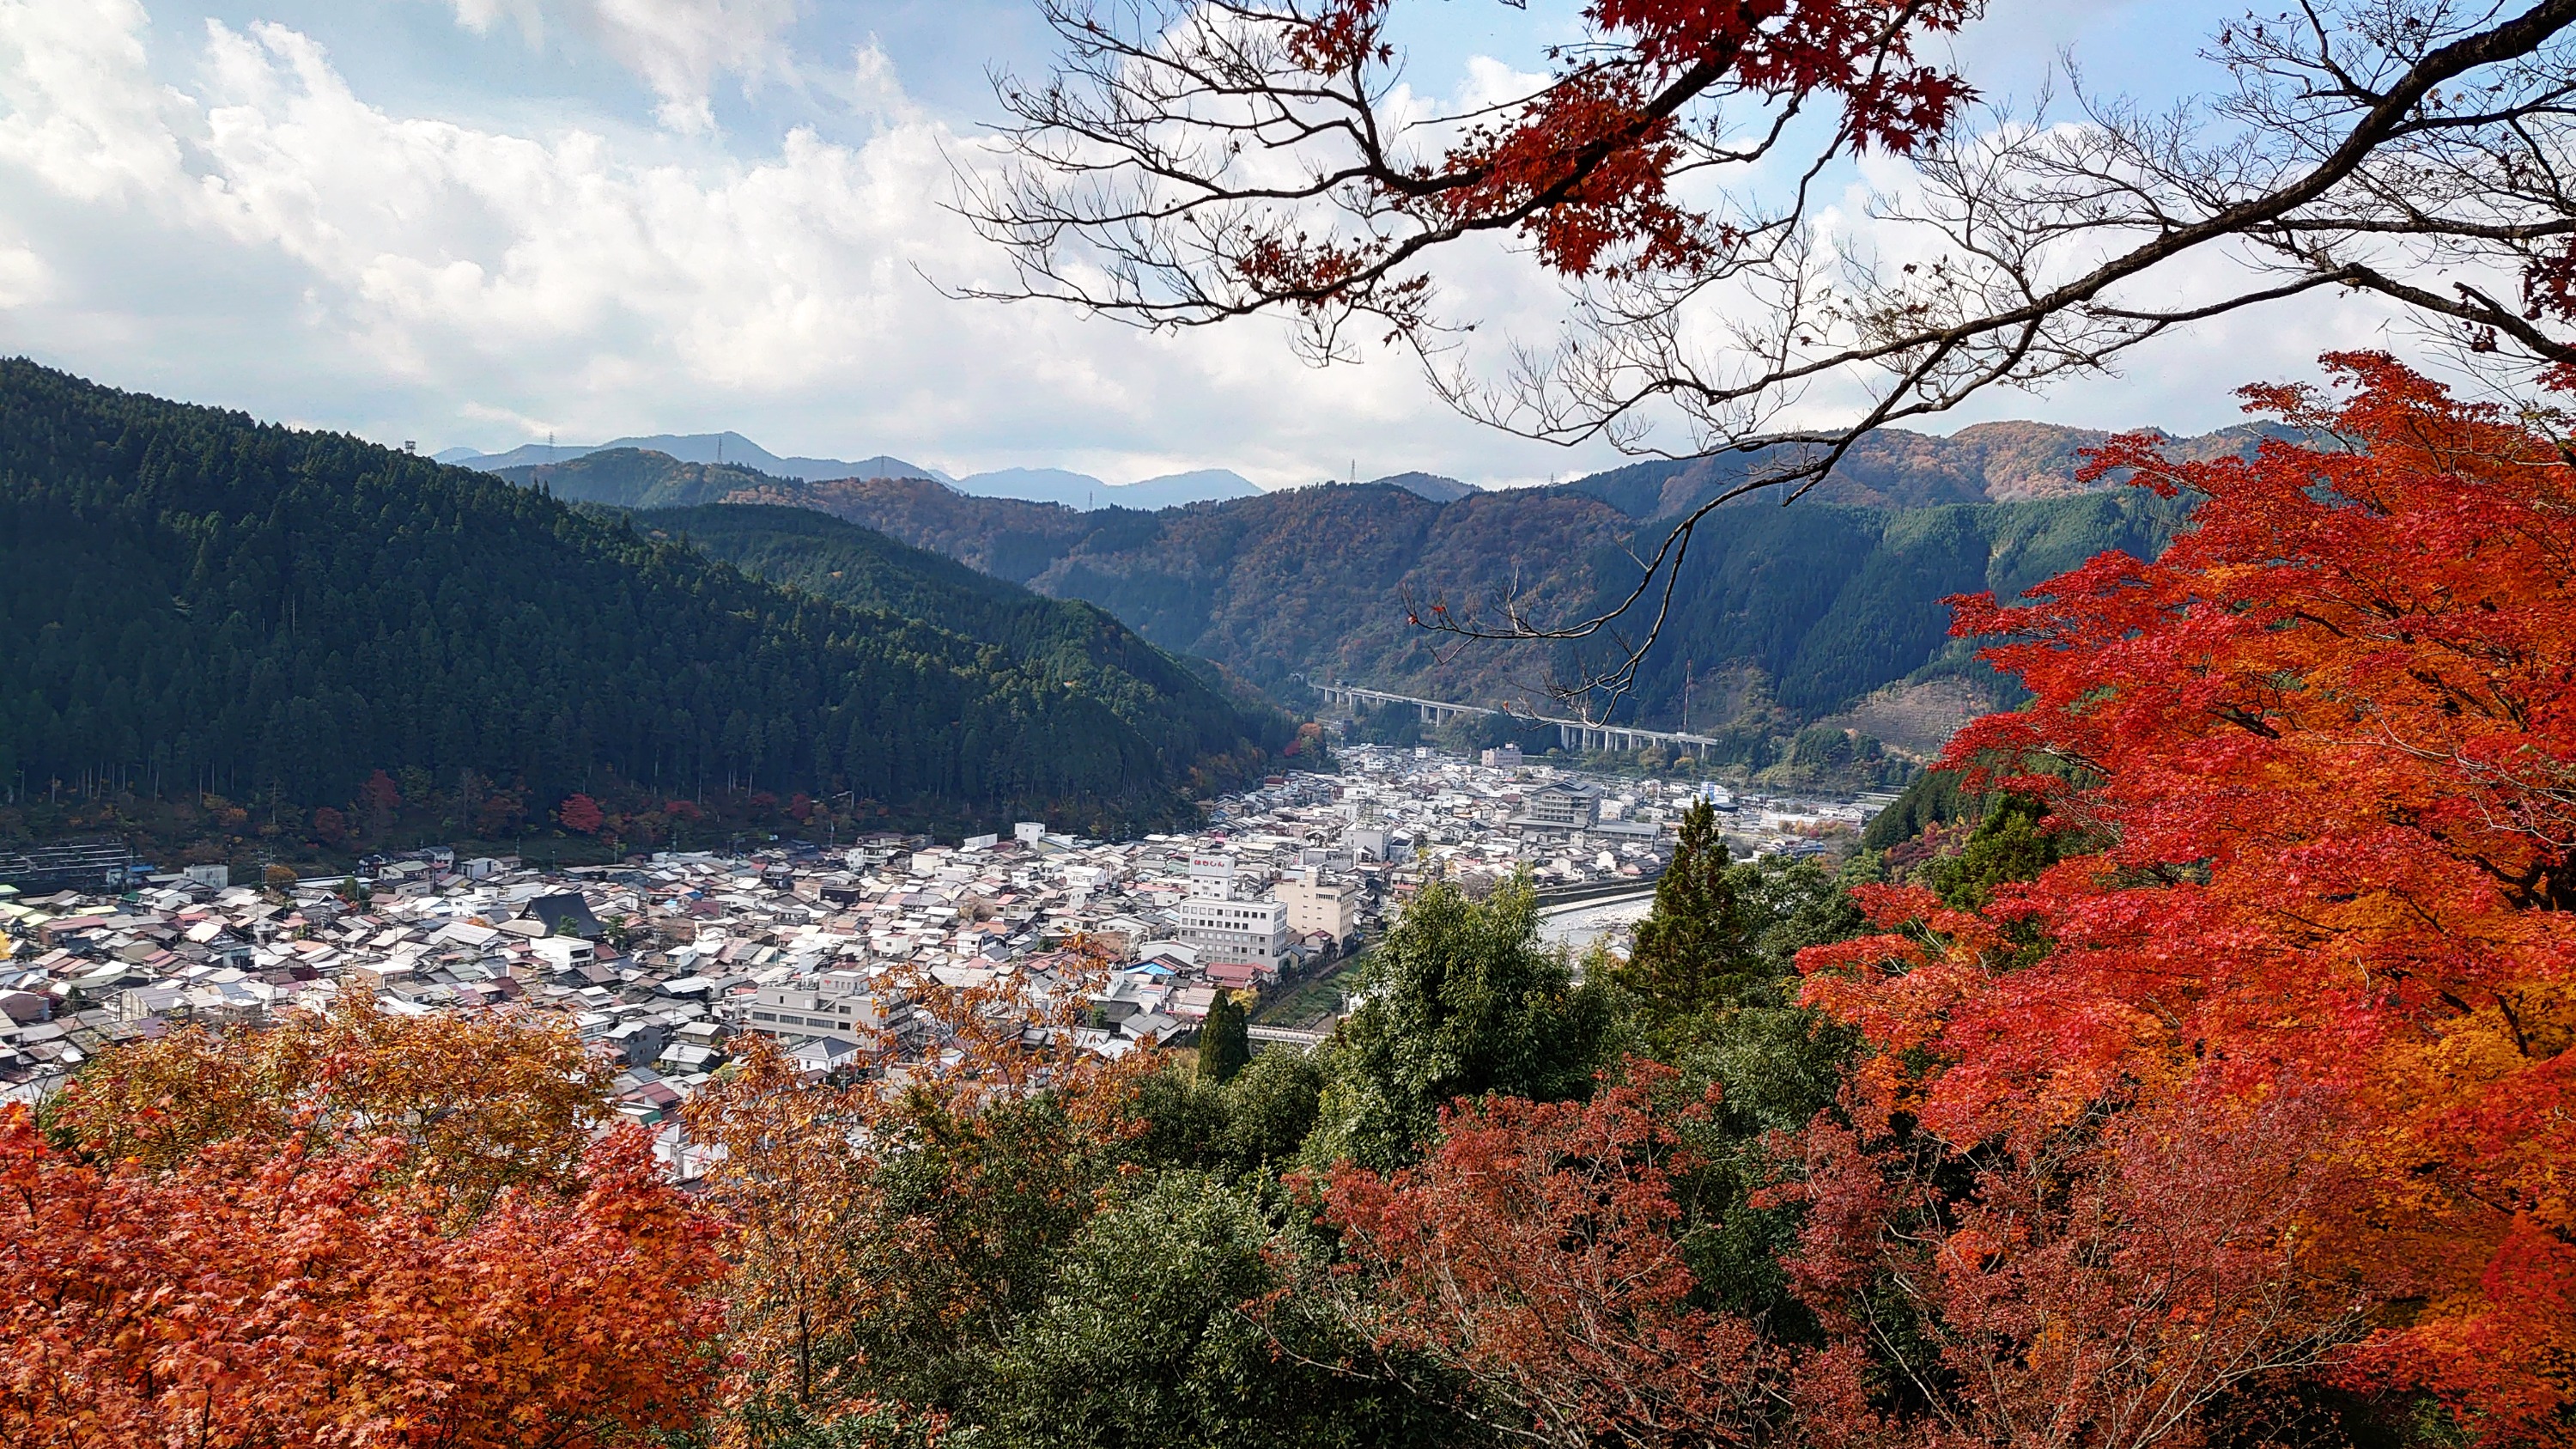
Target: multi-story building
[(1316, 904), (1231, 930), (835, 1003), (1562, 806)]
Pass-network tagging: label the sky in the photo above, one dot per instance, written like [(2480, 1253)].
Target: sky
[(483, 222)]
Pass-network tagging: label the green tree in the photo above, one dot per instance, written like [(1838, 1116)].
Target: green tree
[(1259, 1119), (1225, 1041), (1697, 951), (1143, 1341), (1460, 1000), (1775, 1064), (2013, 842)]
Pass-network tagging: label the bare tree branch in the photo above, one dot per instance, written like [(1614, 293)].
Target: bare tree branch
[(1191, 163)]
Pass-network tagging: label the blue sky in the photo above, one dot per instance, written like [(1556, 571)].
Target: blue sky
[(479, 221)]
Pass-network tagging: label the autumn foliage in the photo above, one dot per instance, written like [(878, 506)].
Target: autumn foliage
[(315, 1250), (479, 1104), (2213, 1088), (2326, 745), (1535, 1255)]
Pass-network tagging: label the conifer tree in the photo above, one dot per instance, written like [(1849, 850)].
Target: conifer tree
[(1225, 1042), (1697, 952)]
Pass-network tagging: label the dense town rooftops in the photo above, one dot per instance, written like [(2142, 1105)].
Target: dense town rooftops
[(659, 961)]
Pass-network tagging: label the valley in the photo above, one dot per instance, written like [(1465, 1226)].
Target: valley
[(1827, 610)]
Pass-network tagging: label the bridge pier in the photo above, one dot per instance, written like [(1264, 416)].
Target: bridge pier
[(1570, 734)]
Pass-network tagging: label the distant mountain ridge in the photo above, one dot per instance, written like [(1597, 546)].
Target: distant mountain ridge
[(1083, 491), (2001, 462), (1429, 485), (733, 450), (1829, 609), (708, 448), (2008, 462)]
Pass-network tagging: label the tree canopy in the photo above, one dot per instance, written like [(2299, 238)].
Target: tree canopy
[(193, 601)]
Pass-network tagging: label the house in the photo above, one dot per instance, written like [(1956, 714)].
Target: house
[(833, 1002), (564, 953), (1182, 959), (565, 915), (825, 1056), (1149, 1027), (1243, 975)]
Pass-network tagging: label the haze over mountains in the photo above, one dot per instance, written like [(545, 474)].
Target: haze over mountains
[(2000, 462), (1035, 485)]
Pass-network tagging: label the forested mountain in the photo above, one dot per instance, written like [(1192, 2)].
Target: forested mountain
[(1892, 468), (725, 447), (1075, 643), (637, 478), (1783, 616), (189, 598)]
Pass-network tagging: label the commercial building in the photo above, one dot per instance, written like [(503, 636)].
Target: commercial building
[(1316, 904), (1564, 805), (1230, 930), (835, 1002)]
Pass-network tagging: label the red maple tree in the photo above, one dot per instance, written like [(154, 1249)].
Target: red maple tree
[(2329, 741), (581, 815), (265, 1293), (358, 1230), (1534, 1256)]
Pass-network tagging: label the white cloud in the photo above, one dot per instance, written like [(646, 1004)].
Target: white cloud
[(426, 276), (24, 277), (679, 47), (236, 223), (83, 115)]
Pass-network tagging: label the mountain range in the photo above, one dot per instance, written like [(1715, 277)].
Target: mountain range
[(717, 448), (194, 603), (1035, 485), (1827, 610)]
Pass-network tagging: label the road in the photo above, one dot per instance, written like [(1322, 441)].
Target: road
[(1581, 923)]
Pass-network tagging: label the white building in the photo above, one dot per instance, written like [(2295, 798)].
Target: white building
[(1228, 930), (1563, 806), (839, 1003)]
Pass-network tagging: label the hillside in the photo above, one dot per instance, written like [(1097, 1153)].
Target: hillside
[(636, 478), (191, 600), (1782, 617), (731, 448), (2009, 462), (1075, 643)]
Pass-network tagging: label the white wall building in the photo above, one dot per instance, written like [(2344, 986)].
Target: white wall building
[(1230, 930), (834, 1003)]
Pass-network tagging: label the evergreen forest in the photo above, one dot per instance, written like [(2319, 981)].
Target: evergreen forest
[(196, 604)]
